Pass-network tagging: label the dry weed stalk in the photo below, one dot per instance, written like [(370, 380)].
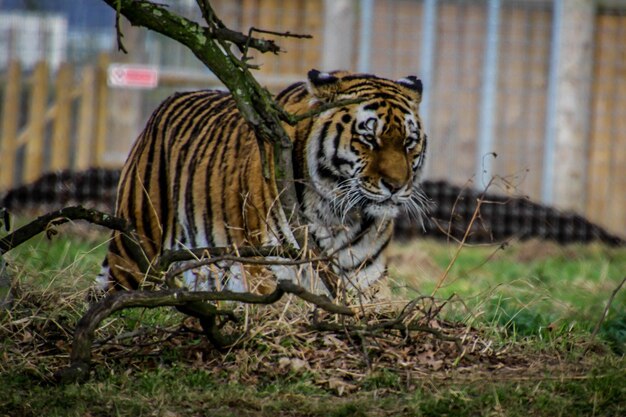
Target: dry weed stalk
[(461, 244), (476, 215), (605, 312)]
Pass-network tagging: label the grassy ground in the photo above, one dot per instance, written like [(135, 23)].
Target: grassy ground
[(525, 314), (530, 288)]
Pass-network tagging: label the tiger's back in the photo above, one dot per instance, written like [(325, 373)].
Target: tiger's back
[(194, 178)]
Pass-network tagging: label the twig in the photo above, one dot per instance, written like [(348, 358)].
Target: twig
[(246, 255), (245, 48), (286, 34), (293, 119), (406, 310), (476, 213), (604, 314), (118, 30), (397, 323), (219, 31), (458, 250)]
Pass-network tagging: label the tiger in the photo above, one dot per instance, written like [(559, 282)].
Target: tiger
[(195, 178)]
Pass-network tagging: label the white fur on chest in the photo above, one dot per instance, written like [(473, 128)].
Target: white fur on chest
[(355, 249)]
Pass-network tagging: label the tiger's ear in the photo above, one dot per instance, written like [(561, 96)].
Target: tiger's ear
[(414, 84), (323, 85)]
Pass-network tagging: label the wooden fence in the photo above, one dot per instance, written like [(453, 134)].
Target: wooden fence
[(606, 163), (50, 124), (75, 124)]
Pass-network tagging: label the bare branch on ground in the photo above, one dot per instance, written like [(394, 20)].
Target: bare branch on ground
[(83, 338)]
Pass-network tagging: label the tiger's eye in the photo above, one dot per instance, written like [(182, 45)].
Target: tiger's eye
[(370, 138)]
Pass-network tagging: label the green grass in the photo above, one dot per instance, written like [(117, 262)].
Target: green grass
[(66, 258), (531, 288), (538, 300), (180, 391)]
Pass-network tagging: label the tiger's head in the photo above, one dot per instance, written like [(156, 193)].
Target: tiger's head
[(366, 156)]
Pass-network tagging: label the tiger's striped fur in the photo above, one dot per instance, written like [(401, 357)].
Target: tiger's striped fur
[(194, 178)]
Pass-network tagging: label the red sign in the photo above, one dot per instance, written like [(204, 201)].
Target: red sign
[(133, 76)]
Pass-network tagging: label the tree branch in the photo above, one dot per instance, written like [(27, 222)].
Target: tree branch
[(61, 216), (118, 30), (253, 101)]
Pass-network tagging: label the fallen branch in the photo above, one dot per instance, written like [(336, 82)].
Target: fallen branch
[(80, 356)]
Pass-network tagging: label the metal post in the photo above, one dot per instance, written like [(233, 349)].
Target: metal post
[(339, 23), (427, 55), (488, 96), (365, 36), (547, 182), (566, 153)]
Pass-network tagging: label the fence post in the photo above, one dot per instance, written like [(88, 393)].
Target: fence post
[(427, 55), (102, 115), (101, 108), (36, 123), (61, 131), (568, 124), (488, 98), (85, 121), (365, 36), (339, 25), (10, 118)]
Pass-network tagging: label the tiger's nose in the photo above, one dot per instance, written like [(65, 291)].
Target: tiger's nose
[(392, 185)]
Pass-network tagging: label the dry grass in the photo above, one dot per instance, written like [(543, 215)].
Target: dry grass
[(278, 342)]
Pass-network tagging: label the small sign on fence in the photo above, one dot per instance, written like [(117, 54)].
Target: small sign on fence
[(132, 76)]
